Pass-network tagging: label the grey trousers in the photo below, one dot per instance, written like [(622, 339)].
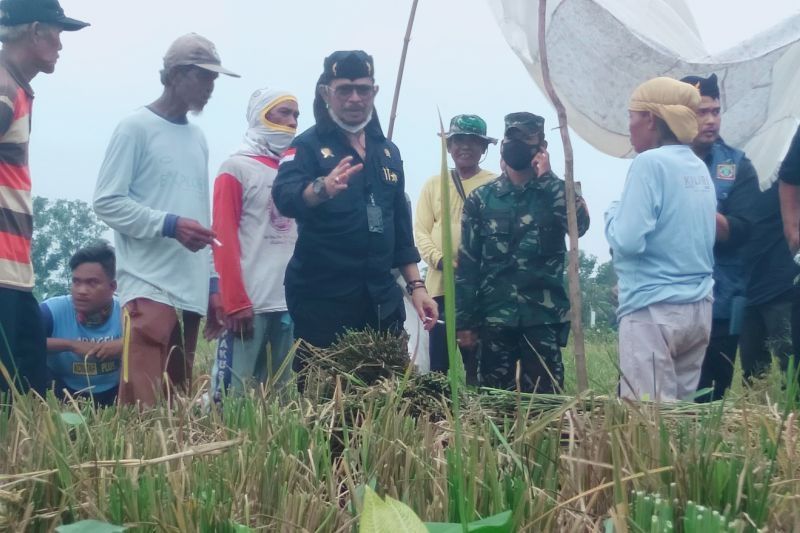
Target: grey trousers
[(243, 363), (661, 350)]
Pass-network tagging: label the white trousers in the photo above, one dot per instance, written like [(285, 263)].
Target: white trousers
[(661, 350)]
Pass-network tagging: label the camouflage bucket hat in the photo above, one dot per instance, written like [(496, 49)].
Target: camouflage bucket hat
[(469, 125)]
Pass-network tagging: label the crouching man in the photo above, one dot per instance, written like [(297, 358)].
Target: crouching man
[(84, 329)]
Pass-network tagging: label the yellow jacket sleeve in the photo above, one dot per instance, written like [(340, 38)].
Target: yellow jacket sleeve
[(424, 222)]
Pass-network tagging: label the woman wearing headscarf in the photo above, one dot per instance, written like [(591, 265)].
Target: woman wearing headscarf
[(255, 244), (661, 234)]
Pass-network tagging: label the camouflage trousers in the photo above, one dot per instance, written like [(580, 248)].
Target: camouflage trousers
[(538, 350)]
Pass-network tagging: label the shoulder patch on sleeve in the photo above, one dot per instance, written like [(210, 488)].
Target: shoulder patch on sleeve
[(288, 155)]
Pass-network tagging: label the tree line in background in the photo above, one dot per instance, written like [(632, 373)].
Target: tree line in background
[(599, 292), (60, 227), (63, 226)]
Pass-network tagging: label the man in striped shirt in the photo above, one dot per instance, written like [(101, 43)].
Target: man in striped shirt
[(30, 32)]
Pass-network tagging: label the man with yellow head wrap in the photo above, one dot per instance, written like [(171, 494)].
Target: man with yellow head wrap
[(257, 243), (661, 234)]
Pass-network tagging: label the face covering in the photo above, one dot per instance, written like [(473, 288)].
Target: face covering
[(350, 129), (518, 154), (264, 137)]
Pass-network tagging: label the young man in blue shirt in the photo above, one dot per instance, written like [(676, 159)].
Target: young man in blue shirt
[(84, 329)]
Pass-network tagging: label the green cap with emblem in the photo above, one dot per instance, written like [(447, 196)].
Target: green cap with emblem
[(469, 125), (526, 123)]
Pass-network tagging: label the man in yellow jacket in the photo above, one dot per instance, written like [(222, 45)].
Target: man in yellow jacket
[(467, 143)]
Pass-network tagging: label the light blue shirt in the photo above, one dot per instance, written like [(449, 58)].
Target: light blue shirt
[(662, 230), (154, 167), (77, 372)]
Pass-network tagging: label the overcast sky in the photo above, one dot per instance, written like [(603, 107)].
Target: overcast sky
[(458, 60)]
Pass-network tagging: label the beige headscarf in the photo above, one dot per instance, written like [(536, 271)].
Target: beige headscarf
[(672, 101)]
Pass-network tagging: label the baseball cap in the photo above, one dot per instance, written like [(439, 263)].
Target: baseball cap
[(194, 49), (526, 123), (16, 12), (469, 125)]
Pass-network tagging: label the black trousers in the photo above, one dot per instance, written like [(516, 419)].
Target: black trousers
[(717, 370), (23, 345), (766, 330), (437, 349), (796, 322), (319, 321), (100, 399)]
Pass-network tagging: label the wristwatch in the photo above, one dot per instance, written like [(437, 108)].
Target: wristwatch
[(318, 186)]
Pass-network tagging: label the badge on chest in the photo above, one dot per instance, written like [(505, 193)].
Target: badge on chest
[(726, 171)]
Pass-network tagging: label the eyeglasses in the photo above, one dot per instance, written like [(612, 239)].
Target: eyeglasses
[(345, 90)]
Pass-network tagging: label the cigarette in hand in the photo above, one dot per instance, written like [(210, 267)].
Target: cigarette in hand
[(217, 243), (428, 319)]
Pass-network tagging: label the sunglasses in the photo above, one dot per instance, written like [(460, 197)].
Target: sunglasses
[(345, 90)]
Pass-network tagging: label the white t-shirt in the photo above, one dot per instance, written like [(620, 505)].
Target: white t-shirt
[(154, 167)]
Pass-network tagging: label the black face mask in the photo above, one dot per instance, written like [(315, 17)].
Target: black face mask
[(518, 154)]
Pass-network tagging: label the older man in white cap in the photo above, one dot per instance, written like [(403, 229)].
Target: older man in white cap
[(153, 191), (259, 242)]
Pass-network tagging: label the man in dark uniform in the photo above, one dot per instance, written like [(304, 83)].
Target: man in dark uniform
[(789, 176), (510, 280), (736, 184), (766, 325), (343, 181)]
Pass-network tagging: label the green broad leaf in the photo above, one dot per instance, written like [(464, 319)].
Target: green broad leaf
[(89, 526), (239, 528), (72, 419), (499, 523), (389, 516)]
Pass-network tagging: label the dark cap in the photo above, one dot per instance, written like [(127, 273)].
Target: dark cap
[(707, 86), (16, 12), (527, 123), (350, 64), (469, 125)]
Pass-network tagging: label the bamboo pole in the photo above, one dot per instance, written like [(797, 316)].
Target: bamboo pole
[(572, 218), (400, 69)]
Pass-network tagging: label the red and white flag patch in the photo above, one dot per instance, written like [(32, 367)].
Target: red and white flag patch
[(288, 155)]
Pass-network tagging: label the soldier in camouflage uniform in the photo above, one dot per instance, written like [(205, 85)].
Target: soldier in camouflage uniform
[(510, 292)]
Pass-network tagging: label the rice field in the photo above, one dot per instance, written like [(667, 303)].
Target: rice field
[(279, 461)]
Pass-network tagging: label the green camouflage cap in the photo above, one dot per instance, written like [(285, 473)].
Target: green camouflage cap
[(469, 125), (527, 123)]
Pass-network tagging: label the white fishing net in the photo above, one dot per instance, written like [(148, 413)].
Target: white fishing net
[(600, 50)]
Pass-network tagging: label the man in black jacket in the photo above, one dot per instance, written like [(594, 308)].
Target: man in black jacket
[(789, 177), (343, 181), (736, 185)]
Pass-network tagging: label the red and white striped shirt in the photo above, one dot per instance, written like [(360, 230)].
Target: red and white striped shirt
[(16, 205)]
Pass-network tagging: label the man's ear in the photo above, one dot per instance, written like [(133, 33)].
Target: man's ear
[(543, 145), (36, 31), (114, 285), (651, 117), (324, 92), (377, 88)]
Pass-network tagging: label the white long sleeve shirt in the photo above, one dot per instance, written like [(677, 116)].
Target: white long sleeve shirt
[(152, 168)]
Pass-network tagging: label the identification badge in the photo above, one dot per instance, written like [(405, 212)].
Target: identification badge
[(374, 218)]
